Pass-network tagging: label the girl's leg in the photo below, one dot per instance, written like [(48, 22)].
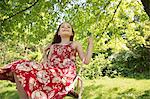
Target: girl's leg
[(20, 89)]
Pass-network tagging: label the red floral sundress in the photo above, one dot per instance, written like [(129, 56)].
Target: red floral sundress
[(47, 80)]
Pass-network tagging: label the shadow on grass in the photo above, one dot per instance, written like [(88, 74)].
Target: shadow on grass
[(99, 92), (9, 95), (102, 92), (131, 94), (90, 91), (145, 95), (127, 94)]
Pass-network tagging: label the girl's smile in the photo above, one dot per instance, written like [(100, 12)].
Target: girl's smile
[(66, 29)]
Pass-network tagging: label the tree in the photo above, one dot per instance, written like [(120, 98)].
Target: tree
[(26, 26), (146, 4)]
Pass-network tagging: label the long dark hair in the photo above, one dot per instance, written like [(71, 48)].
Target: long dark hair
[(57, 38)]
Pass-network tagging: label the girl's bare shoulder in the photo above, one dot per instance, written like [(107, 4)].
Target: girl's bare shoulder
[(76, 44)]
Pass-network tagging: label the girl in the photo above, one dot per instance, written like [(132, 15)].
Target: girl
[(49, 79)]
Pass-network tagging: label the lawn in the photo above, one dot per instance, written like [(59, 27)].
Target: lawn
[(117, 88), (104, 88)]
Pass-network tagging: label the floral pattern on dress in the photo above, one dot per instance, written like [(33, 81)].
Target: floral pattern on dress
[(49, 79), (43, 77), (38, 95), (24, 67)]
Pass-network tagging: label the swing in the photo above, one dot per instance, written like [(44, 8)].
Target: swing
[(77, 85), (78, 80)]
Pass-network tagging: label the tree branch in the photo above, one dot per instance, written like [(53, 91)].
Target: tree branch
[(20, 11)]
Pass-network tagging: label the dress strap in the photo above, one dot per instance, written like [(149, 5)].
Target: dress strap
[(70, 43), (48, 47)]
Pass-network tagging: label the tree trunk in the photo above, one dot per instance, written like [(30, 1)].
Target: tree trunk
[(146, 4)]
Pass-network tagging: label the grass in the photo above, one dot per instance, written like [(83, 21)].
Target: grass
[(8, 90), (104, 88), (117, 88)]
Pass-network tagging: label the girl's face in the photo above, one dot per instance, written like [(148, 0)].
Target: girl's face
[(65, 30)]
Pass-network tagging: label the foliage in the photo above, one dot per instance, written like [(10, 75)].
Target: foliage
[(120, 29), (133, 63), (94, 69)]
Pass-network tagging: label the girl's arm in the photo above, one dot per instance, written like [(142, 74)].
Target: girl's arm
[(85, 57)]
